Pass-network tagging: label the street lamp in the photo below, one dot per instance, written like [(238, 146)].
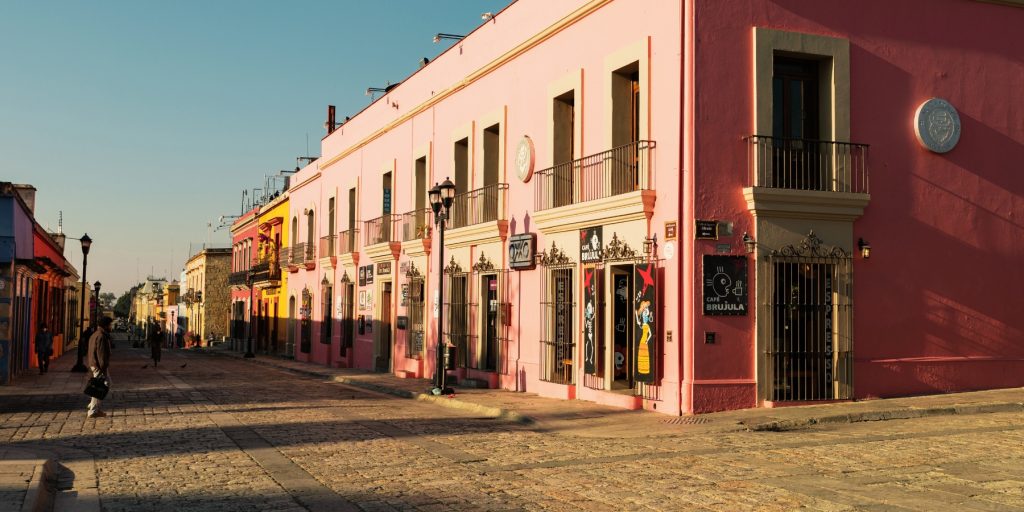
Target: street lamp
[(249, 278), (83, 345), (441, 197), (96, 299)]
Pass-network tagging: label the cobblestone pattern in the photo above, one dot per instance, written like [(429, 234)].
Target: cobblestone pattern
[(222, 434)]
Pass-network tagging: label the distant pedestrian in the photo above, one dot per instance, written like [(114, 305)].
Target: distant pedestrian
[(98, 360), (44, 347), (155, 340)]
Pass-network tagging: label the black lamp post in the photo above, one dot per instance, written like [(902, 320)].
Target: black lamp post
[(249, 278), (96, 299), (441, 197), (83, 344)]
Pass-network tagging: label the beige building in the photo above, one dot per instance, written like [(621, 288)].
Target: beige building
[(207, 299), (148, 303)]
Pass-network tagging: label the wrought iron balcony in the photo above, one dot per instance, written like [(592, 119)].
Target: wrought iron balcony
[(379, 230), (238, 278), (309, 254), (298, 254), (478, 206), (803, 164), (347, 241), (261, 272), (327, 246), (620, 170), (285, 257), (416, 225)]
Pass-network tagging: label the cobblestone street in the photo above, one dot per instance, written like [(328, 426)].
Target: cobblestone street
[(211, 433)]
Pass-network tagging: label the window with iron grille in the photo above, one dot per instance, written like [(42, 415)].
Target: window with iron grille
[(457, 315), (417, 324), (557, 344), (807, 314), (489, 353), (347, 313)]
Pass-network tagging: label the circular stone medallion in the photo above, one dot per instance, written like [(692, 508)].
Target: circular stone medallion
[(937, 125), (525, 159)]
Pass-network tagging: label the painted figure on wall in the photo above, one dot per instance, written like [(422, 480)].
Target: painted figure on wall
[(645, 332)]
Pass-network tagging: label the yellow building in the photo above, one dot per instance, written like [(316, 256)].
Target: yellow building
[(270, 281)]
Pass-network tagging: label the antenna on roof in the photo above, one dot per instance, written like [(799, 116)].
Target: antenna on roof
[(60, 222)]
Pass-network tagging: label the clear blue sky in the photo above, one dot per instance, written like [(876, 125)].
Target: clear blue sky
[(143, 120)]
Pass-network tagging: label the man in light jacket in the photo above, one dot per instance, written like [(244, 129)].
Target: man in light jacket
[(98, 360)]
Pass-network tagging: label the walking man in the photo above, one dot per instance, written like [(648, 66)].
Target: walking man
[(98, 360), (155, 340), (44, 347)]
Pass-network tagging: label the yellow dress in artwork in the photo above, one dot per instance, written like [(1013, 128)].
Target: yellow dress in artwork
[(643, 355)]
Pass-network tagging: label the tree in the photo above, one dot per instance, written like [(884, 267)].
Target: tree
[(123, 307), (107, 300)]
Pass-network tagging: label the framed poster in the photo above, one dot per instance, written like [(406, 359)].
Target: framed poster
[(645, 327), (725, 285), (362, 277)]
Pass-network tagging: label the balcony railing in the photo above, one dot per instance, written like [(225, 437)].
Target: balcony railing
[(617, 171), (238, 278), (262, 271), (327, 246), (309, 254), (478, 206), (348, 241), (416, 225), (285, 258), (379, 230), (298, 253), (802, 164)]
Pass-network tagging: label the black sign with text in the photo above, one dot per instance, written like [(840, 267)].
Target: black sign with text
[(725, 285), (706, 230), (591, 244), (522, 250)]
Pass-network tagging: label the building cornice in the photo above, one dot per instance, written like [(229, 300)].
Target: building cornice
[(551, 31)]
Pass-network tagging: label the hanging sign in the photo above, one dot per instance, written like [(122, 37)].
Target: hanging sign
[(706, 230), (522, 250), (590, 244), (725, 285), (829, 342), (645, 329), (590, 278)]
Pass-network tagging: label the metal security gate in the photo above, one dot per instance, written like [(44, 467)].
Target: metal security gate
[(807, 312), (557, 344)]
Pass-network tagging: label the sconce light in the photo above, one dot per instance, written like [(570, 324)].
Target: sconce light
[(865, 248), (441, 35), (749, 243), (651, 245)]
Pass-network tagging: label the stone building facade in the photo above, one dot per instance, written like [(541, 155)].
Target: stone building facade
[(207, 300)]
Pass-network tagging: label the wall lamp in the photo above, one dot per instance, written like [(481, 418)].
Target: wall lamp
[(749, 243), (651, 245), (865, 248), (442, 35)]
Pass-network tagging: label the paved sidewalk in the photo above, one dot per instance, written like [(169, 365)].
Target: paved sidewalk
[(590, 419)]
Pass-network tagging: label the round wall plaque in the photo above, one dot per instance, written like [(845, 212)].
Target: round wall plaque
[(525, 159), (937, 125)]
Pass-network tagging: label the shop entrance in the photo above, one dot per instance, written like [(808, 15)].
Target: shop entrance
[(384, 329), (489, 349), (622, 327), (348, 291)]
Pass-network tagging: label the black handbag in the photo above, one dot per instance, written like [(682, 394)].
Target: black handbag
[(97, 387)]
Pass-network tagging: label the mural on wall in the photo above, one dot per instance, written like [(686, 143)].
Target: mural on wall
[(589, 321), (645, 328)]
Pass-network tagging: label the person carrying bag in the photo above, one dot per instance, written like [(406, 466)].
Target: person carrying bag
[(98, 361)]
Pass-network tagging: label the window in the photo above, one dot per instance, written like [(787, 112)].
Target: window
[(459, 211), (417, 325), (796, 151), (564, 112), (626, 127), (310, 233), (420, 197), (458, 316), (557, 312), (327, 305)]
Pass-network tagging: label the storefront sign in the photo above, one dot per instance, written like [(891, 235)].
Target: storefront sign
[(362, 276), (522, 251), (590, 278), (829, 349), (645, 329), (384, 268), (937, 125), (670, 230), (725, 285), (562, 335), (405, 294), (590, 244), (706, 230), (366, 275)]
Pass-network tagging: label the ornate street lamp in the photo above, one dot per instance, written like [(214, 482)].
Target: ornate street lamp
[(441, 197), (83, 344), (96, 299)]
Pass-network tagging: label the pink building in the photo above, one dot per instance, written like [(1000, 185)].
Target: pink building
[(664, 205), (243, 251)]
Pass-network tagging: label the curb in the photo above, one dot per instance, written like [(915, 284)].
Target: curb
[(39, 494), (443, 401), (885, 415)]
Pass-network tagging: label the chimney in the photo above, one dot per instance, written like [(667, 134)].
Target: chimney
[(28, 195), (330, 119)]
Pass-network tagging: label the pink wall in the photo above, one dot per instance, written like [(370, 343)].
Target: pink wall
[(935, 306)]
